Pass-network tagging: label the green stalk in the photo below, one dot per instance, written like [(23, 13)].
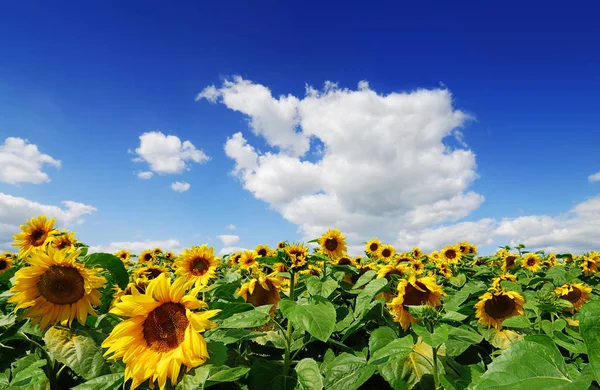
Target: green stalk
[(436, 375), (288, 337)]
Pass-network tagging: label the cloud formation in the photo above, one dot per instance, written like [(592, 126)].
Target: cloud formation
[(22, 162), (180, 186), (228, 239)]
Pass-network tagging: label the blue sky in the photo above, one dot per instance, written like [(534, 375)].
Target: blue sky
[(83, 82)]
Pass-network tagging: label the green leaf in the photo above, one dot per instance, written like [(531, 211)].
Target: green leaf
[(534, 362), (589, 325), (223, 374), (363, 300), (217, 353), (412, 369), (453, 316), (435, 339), (27, 373), (104, 382), (318, 288), (195, 379), (262, 373), (381, 337), (458, 280), (517, 322), (77, 351), (317, 318), (309, 376), (394, 350), (347, 372), (228, 309), (459, 339), (248, 319), (230, 336), (365, 278), (454, 301), (112, 264)]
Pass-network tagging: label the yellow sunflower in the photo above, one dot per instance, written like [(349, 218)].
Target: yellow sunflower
[(416, 253), (576, 293), (386, 252), (262, 250), (234, 259), (247, 260), (372, 248), (36, 233), (414, 292), (333, 243), (506, 276), (357, 260), (157, 251), (479, 261), (417, 267), (5, 264), (435, 256), (197, 265), (496, 306), (452, 254), (298, 253), (312, 269), (161, 334), (282, 244), (55, 288), (344, 260), (149, 271), (550, 260), (65, 241), (262, 290), (532, 262), (509, 260), (169, 256), (124, 255), (466, 248), (403, 257), (388, 270), (8, 255), (146, 256), (444, 269), (590, 263)]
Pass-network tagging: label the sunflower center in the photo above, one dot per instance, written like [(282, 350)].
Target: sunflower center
[(573, 296), (510, 261), (262, 252), (331, 244), (123, 256), (199, 266), (415, 297), (164, 328), (499, 306), (463, 249), (373, 247), (344, 261), (451, 254), (3, 264), (38, 237), (261, 296), (531, 261), (147, 257), (152, 273), (63, 244), (61, 285), (386, 253), (388, 275)]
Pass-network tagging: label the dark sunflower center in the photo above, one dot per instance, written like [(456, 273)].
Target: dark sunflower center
[(147, 257), (386, 253), (573, 296), (531, 261), (403, 259), (373, 247), (499, 306), (140, 286), (345, 261), (261, 296), (123, 256), (3, 264), (152, 273), (199, 266), (479, 261), (61, 285), (463, 249), (236, 258), (64, 243), (388, 275), (168, 255), (262, 252), (451, 254), (331, 244), (281, 245), (38, 237), (510, 261), (164, 328), (414, 297)]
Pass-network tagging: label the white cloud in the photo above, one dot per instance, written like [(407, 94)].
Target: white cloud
[(135, 247), (22, 162), (145, 175), (228, 239), (166, 154), (230, 227), (230, 249), (14, 211), (180, 186), (594, 178), (383, 166)]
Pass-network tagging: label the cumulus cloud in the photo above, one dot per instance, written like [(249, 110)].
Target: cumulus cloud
[(135, 247), (180, 186), (228, 239), (383, 165), (594, 178), (22, 162), (167, 154), (230, 249), (145, 175), (230, 227), (14, 211)]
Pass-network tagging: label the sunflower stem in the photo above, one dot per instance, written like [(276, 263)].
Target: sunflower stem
[(288, 337), (436, 375)]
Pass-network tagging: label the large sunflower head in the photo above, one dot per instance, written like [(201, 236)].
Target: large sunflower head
[(5, 264), (386, 252), (146, 257), (262, 290), (247, 260), (262, 250), (452, 254), (298, 253), (161, 334), (197, 265), (509, 260), (55, 288), (149, 271), (531, 261), (495, 306), (333, 243), (576, 293), (64, 241), (372, 248), (124, 255), (36, 233), (414, 292)]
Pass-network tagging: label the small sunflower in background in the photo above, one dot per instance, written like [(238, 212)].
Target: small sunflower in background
[(234, 259), (157, 251), (499, 279), (404, 257), (56, 288), (262, 250), (466, 248), (495, 306), (414, 292), (452, 254), (416, 267), (416, 253), (36, 233), (312, 269), (197, 265), (247, 260), (356, 260), (589, 265), (386, 271), (386, 252), (444, 269), (282, 245), (149, 271), (343, 260), (262, 290), (5, 263), (8, 255), (576, 293), (64, 241), (435, 256), (146, 257), (531, 262), (550, 260), (333, 243), (169, 256), (372, 248), (509, 260), (298, 253), (162, 334), (125, 256)]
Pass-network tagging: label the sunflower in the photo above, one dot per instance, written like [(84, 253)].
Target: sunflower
[(333, 243), (157, 251), (465, 248), (344, 260), (170, 256), (590, 263), (55, 288), (8, 255), (576, 293), (532, 262), (197, 265), (550, 260), (65, 241), (508, 260), (149, 271), (372, 248), (416, 253), (262, 250), (386, 252), (452, 254), (146, 256), (403, 257), (124, 255), (140, 285), (479, 261), (444, 269), (282, 245), (414, 292), (499, 279), (435, 256), (312, 269), (247, 260), (472, 249), (388, 270), (262, 290), (234, 259), (356, 260), (161, 334), (416, 267), (35, 233), (298, 253), (496, 306), (5, 264)]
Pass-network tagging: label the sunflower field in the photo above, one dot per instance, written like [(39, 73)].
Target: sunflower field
[(298, 316)]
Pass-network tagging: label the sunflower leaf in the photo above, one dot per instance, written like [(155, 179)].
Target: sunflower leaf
[(589, 323), (316, 287), (309, 376), (112, 264), (364, 299), (393, 350), (104, 382), (517, 322), (248, 319), (347, 372)]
